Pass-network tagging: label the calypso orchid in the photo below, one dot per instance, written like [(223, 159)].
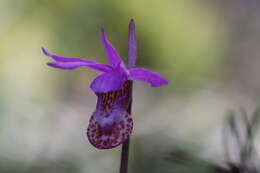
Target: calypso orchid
[(110, 124)]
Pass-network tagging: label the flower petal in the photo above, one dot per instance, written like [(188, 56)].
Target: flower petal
[(65, 59), (111, 53), (109, 132), (145, 75), (110, 125), (110, 81), (72, 63)]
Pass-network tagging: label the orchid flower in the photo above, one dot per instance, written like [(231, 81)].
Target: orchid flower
[(110, 124)]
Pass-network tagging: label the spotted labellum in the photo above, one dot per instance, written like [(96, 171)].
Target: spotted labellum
[(110, 124)]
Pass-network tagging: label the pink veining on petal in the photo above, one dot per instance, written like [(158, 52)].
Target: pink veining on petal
[(110, 125), (111, 136)]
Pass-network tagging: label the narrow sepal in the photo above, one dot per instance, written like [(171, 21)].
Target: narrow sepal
[(132, 45), (111, 53), (65, 59), (145, 75), (73, 65), (69, 63)]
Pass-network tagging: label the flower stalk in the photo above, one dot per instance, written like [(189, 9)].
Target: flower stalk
[(132, 55)]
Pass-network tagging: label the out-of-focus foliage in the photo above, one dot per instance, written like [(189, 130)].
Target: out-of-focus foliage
[(241, 155), (207, 49)]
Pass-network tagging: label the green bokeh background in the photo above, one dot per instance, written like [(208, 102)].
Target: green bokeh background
[(207, 50)]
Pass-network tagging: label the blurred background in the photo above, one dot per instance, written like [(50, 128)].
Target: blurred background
[(209, 50)]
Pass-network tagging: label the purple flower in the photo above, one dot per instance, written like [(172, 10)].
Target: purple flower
[(110, 125)]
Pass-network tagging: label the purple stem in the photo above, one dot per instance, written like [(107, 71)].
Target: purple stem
[(125, 150), (132, 54), (124, 157)]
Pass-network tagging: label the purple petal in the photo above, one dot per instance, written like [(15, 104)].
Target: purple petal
[(111, 53), (73, 65), (107, 132), (65, 59), (132, 45), (145, 75), (110, 81), (110, 125)]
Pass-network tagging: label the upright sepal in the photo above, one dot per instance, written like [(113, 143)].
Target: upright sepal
[(111, 53), (132, 45)]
